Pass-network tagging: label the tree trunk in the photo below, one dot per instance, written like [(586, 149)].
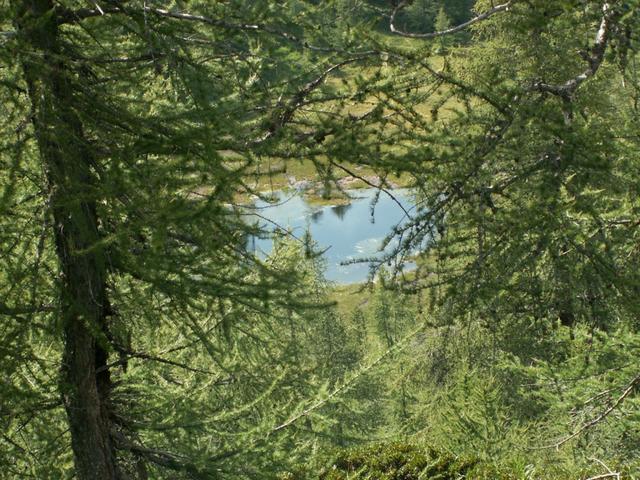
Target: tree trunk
[(67, 160)]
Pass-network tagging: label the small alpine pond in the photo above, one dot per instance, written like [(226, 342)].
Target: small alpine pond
[(344, 232)]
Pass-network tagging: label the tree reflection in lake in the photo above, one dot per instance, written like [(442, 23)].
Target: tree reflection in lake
[(341, 210), (317, 215)]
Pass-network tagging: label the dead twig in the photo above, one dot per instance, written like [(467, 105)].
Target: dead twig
[(592, 423)]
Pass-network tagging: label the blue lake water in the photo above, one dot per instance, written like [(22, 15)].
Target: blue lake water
[(346, 232)]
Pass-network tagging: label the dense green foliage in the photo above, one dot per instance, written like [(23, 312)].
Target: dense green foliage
[(463, 389), (405, 462), (141, 339)]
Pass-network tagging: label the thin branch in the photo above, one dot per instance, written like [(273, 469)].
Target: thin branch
[(399, 346), (606, 475), (20, 310), (68, 16), (76, 16), (211, 21), (299, 99), (7, 35), (373, 185), (443, 77), (145, 356), (159, 457), (610, 473), (627, 391), (449, 31), (140, 58), (594, 58)]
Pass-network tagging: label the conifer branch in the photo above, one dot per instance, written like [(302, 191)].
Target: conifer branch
[(398, 347), (449, 31), (592, 423), (129, 354), (506, 110), (373, 185), (610, 473), (605, 475), (298, 100), (594, 58), (22, 310), (159, 457), (68, 16)]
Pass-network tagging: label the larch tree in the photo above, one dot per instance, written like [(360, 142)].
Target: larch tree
[(131, 125), (534, 172), (529, 173), (524, 157), (128, 129)]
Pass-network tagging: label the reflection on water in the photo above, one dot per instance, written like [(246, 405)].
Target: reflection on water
[(341, 210), (317, 215), (349, 232)]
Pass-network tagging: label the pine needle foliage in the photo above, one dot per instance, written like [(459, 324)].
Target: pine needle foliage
[(140, 338), (135, 322)]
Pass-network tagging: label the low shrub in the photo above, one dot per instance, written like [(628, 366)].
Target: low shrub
[(401, 461)]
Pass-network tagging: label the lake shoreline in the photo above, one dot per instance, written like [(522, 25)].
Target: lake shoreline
[(351, 234)]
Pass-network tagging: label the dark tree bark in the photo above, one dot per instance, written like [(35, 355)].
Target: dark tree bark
[(68, 162)]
